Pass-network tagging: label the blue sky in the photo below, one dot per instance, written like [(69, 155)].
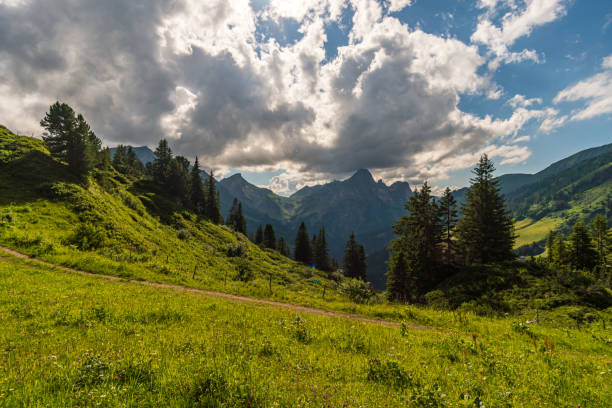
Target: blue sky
[(299, 92)]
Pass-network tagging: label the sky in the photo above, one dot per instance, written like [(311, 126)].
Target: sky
[(300, 92)]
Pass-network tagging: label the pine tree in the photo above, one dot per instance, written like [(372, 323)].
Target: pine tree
[(241, 220), (419, 236), (160, 166), (197, 194), (133, 163), (321, 252), (69, 138), (397, 278), (334, 264), (104, 159), (302, 251), (269, 237), (550, 240), (232, 217), (560, 254), (177, 180), (259, 236), (119, 159), (213, 208), (282, 247), (354, 262), (448, 215), (601, 236), (486, 231), (583, 255)]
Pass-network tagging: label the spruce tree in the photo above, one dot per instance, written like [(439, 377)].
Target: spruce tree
[(550, 239), (583, 255), (601, 236), (448, 216), (419, 236), (213, 208), (269, 237), (259, 236), (119, 159), (321, 252), (397, 278), (282, 247), (104, 159), (354, 262), (160, 167), (486, 231), (241, 220), (69, 138), (232, 217), (197, 194), (560, 254), (133, 163), (302, 251), (177, 180)]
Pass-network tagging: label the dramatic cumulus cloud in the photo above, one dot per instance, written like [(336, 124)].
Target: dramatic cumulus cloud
[(207, 76), (519, 19)]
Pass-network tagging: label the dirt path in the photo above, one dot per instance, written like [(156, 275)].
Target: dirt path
[(296, 308)]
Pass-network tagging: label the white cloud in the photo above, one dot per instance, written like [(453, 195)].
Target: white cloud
[(595, 91), (517, 23), (398, 5), (520, 101)]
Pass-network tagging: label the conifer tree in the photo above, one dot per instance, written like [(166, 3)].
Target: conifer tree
[(133, 163), (486, 231), (601, 236), (177, 180), (560, 254), (232, 217), (104, 159), (397, 278), (119, 159), (197, 194), (334, 264), (354, 262), (583, 255), (448, 215), (282, 247), (419, 236), (160, 166), (321, 252), (259, 235), (302, 251), (69, 138), (550, 239), (213, 208), (241, 220), (269, 237)]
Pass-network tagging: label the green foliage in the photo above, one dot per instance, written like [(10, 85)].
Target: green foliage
[(389, 373), (269, 237), (357, 290), (87, 237), (244, 272), (302, 251), (236, 250), (198, 195), (354, 263), (235, 219), (213, 208), (321, 252)]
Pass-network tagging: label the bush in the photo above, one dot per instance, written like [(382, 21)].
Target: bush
[(437, 299), (389, 373), (236, 250), (244, 272), (88, 237), (598, 297), (183, 235), (356, 290)]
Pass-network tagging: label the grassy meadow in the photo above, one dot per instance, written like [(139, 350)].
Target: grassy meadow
[(74, 340)]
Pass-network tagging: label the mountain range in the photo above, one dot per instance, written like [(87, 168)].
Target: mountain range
[(579, 186)]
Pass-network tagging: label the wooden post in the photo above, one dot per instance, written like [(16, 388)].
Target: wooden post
[(225, 280), (194, 271), (270, 276)]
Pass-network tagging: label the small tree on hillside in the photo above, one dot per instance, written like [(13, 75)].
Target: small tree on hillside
[(133, 163), (321, 252), (213, 208), (69, 138), (282, 247), (601, 236), (160, 167), (177, 180), (354, 261), (235, 218), (197, 194), (486, 231), (302, 252), (259, 236), (269, 237), (448, 214), (397, 278), (583, 255)]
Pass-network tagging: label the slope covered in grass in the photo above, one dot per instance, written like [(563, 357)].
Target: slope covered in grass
[(74, 340)]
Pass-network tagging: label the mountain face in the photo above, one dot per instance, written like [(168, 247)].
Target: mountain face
[(145, 154)]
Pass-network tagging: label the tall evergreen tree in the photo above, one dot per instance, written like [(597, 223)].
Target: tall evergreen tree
[(448, 215), (601, 236), (282, 247), (119, 159), (133, 163), (177, 180), (104, 159), (160, 166), (486, 231), (302, 251), (550, 240), (69, 138), (269, 237), (419, 236), (197, 194), (213, 208), (560, 253), (241, 220), (259, 235), (583, 255), (321, 252), (354, 262), (397, 278)]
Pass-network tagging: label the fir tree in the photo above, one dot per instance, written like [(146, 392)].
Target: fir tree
[(269, 237), (448, 215), (354, 262), (133, 163), (321, 252), (419, 236), (550, 240), (583, 255), (213, 208), (601, 236), (282, 247), (104, 159), (69, 138), (241, 220), (197, 194), (177, 180), (397, 278), (560, 254), (486, 231), (160, 167), (259, 235), (302, 251), (119, 159)]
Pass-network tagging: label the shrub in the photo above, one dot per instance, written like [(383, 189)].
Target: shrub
[(356, 290), (236, 250), (183, 235), (437, 299), (389, 373), (300, 330), (88, 237), (244, 272)]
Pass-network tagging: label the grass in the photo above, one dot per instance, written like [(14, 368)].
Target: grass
[(71, 340), (529, 231)]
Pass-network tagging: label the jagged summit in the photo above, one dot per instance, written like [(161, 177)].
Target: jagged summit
[(362, 176)]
